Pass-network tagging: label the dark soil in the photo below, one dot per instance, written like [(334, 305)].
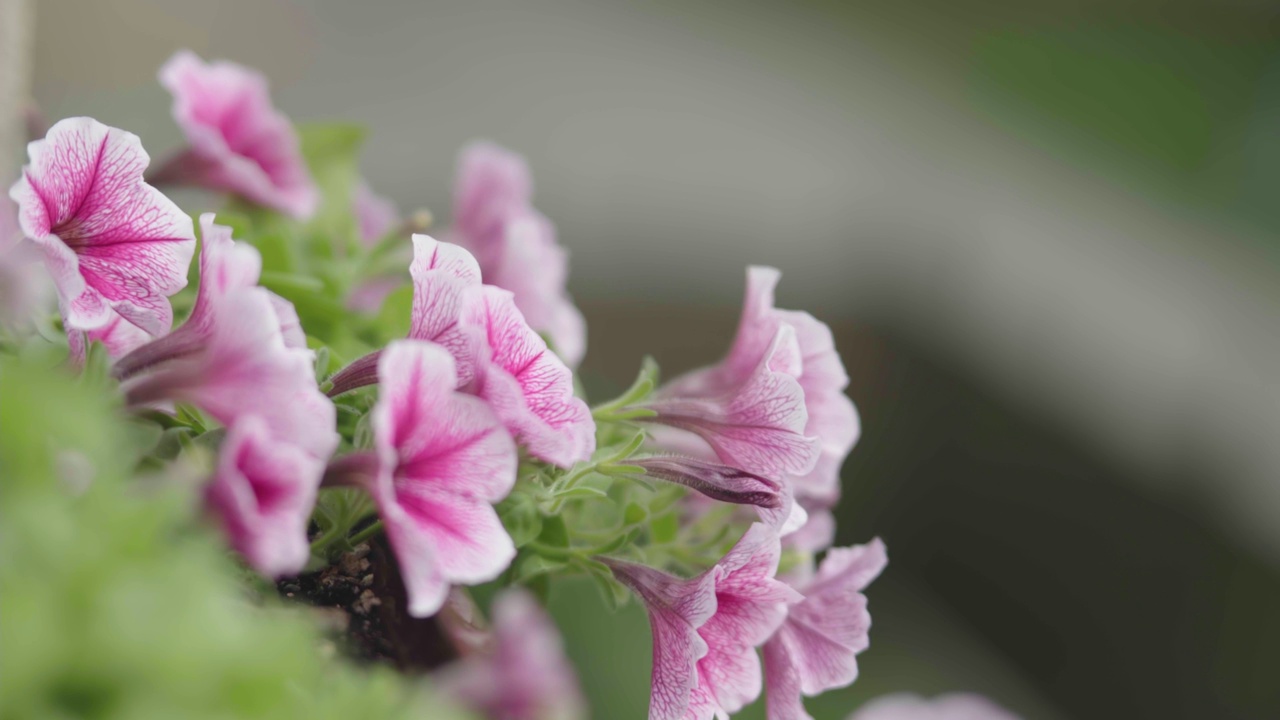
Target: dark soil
[(362, 600)]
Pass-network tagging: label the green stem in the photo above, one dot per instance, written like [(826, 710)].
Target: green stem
[(366, 533)]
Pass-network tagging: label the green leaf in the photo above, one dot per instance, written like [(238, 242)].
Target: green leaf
[(554, 532), (522, 521), (664, 529), (277, 256), (533, 565), (634, 514), (581, 492), (612, 592)]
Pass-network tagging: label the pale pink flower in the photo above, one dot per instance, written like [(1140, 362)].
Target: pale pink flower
[(750, 605), (243, 367), (816, 648), (817, 532), (831, 416), (524, 675), (529, 387), (497, 355), (515, 244), (114, 245), (442, 459), (676, 608), (262, 494), (21, 290), (239, 142), (376, 216), (719, 646), (950, 706), (443, 276), (119, 337), (755, 422), (226, 266)]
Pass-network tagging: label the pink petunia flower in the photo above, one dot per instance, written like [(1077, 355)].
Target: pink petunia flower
[(226, 266), (497, 355), (816, 648), (239, 142), (524, 675), (442, 459), (115, 246), (244, 368), (515, 244), (443, 276), (262, 493), (528, 386), (676, 608), (705, 664), (832, 417), (756, 422), (21, 291), (119, 336), (950, 706)]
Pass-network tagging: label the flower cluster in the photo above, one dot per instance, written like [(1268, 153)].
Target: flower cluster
[(361, 381)]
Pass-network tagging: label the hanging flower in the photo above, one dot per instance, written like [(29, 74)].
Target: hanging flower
[(515, 244), (524, 675), (441, 459), (831, 416), (746, 605), (757, 422), (951, 706), (239, 142), (676, 608), (262, 494), (816, 648), (529, 387), (115, 246)]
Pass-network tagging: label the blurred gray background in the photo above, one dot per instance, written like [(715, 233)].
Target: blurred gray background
[(1045, 233)]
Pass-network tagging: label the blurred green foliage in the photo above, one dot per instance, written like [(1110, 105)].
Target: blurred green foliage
[(119, 604)]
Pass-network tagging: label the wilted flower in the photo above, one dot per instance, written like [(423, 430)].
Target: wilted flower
[(239, 142), (757, 422), (262, 493), (816, 648), (442, 459), (951, 706), (115, 246), (771, 499), (515, 244), (749, 604), (524, 675), (529, 387)]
